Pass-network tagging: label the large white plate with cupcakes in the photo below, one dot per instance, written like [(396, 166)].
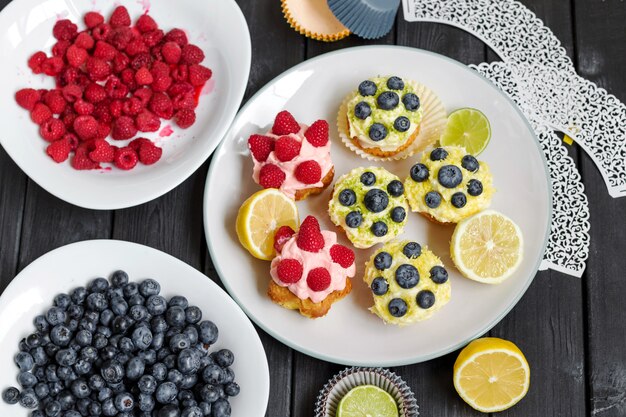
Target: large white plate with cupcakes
[(378, 206), (84, 79)]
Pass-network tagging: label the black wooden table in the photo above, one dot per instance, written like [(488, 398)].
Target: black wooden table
[(573, 331)]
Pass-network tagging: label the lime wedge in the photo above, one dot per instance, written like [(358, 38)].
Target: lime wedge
[(367, 401), (468, 128)]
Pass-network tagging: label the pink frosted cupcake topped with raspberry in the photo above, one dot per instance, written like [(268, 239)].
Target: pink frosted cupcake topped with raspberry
[(311, 270), (293, 157)]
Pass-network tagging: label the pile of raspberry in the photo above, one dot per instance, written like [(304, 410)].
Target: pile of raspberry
[(286, 148), (113, 79)]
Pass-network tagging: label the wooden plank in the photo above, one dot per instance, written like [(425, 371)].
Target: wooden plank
[(600, 56)]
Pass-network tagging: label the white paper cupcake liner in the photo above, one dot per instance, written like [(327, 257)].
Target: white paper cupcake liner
[(434, 118), (339, 385)]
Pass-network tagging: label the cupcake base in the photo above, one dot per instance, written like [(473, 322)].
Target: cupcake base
[(385, 154), (328, 178), (285, 298)]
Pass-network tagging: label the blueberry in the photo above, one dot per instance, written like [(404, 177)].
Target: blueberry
[(78, 295), (53, 409), (425, 299), (89, 353), (362, 110), (66, 400), (108, 408), (397, 307), (75, 311), (55, 315), (379, 286), (379, 229), (85, 324), (149, 356), (157, 340), (62, 301), (458, 200), (145, 402), (55, 388), (136, 300), (94, 409), (438, 154), (398, 214), (188, 361), (159, 371), (28, 399), (387, 100), (179, 342), (193, 411), (474, 188), (82, 405), (169, 411), (66, 357), (24, 361), (166, 392), (354, 219), (178, 301), (96, 382), (213, 374), (224, 357), (189, 381), (119, 278), (382, 261), (368, 178), (376, 200), (135, 367), (193, 314), (112, 371), (347, 197), (231, 389), (208, 332), (39, 373), (205, 407), (51, 373), (221, 408), (367, 88), (402, 124), (395, 188), (41, 390), (33, 340), (438, 274), (83, 337), (450, 176), (130, 289), (122, 357), (156, 305), (11, 395), (112, 293), (98, 285), (41, 324), (377, 132), (104, 394), (395, 83), (411, 102), (92, 316), (432, 199), (412, 250), (175, 376), (149, 287), (124, 402), (51, 349), (142, 337), (175, 316), (407, 276), (147, 384), (419, 172), (80, 388), (96, 301), (121, 324), (119, 306), (82, 367), (209, 393), (158, 324)]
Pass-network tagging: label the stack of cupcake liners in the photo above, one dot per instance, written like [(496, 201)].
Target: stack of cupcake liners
[(369, 19)]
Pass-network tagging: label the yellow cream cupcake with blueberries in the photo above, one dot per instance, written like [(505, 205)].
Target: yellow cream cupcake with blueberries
[(384, 115), (409, 283), (449, 185), (369, 205)]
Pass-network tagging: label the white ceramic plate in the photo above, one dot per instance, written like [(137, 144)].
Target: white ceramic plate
[(218, 27), (350, 334), (31, 292)]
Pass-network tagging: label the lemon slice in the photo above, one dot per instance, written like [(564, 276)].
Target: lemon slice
[(491, 374), (469, 128), (260, 216), (367, 401)]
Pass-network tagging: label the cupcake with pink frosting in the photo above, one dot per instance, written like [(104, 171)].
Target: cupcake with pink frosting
[(293, 157), (311, 270)]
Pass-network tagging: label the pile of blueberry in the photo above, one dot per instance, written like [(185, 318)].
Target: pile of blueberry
[(121, 349)]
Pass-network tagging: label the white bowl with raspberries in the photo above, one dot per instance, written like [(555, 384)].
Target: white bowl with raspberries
[(110, 106)]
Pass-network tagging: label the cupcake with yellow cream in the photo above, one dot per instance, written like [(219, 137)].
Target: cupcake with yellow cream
[(449, 185), (409, 283)]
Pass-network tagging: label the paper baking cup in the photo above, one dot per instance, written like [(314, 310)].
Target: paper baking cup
[(369, 19), (339, 385), (314, 20), (434, 118)]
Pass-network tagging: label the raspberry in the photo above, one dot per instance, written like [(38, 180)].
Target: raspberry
[(70, 76), (143, 94), (27, 98), (97, 69), (178, 36), (308, 172), (160, 69), (40, 113), (171, 52), (289, 271), (271, 176), (180, 88), (64, 30), (72, 92), (282, 235), (72, 139), (161, 83), (86, 127), (95, 93), (184, 101), (84, 40), (123, 128), (147, 122), (156, 54), (153, 38), (119, 17), (260, 147), (104, 129), (52, 129), (59, 150), (180, 73), (81, 159), (318, 279), (149, 154), (317, 133), (132, 106), (185, 118), (125, 158), (116, 108), (146, 24), (191, 54), (342, 255), (83, 107), (143, 76), (55, 101), (121, 61), (199, 75), (52, 66), (286, 148), (35, 62), (136, 47), (93, 19), (103, 151), (128, 78), (102, 113), (120, 37), (284, 124), (68, 118), (115, 88), (76, 56), (59, 48), (161, 105), (310, 238), (104, 51), (101, 32)]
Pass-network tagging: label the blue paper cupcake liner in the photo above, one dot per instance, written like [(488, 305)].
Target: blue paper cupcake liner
[(369, 19)]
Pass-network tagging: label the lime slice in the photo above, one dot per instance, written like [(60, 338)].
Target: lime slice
[(367, 401), (468, 128)]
